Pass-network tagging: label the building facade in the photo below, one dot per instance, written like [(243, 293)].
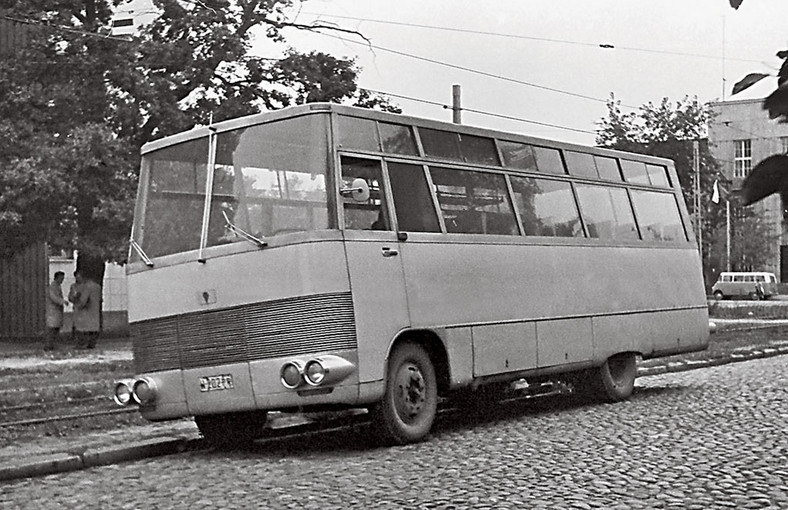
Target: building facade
[(741, 135)]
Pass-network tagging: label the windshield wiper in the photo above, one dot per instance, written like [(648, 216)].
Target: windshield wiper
[(141, 252), (242, 233)]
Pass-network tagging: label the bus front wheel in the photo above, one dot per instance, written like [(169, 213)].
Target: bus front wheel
[(614, 381), (231, 429), (410, 401)]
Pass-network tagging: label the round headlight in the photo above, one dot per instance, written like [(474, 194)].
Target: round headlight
[(314, 372), (290, 375), (122, 393), (144, 392)]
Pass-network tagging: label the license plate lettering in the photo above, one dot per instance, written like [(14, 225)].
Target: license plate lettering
[(216, 383)]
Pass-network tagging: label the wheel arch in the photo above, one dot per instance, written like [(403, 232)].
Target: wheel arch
[(436, 350)]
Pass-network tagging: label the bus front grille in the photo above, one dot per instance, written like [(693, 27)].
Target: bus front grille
[(286, 327)]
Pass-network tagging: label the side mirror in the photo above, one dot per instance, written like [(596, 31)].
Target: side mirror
[(358, 190)]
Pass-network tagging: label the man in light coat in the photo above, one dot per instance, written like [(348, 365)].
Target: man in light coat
[(86, 297), (54, 310)]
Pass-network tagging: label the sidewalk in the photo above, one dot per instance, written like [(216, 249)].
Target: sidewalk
[(54, 455)]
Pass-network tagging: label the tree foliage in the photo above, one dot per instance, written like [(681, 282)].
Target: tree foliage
[(665, 130), (76, 104)]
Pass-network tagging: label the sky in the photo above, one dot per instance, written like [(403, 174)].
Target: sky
[(540, 61)]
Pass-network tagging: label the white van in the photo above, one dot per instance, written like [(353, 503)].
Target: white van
[(753, 285)]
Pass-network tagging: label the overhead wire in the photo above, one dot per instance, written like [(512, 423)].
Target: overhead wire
[(481, 112), (604, 45), (473, 71), (389, 50)]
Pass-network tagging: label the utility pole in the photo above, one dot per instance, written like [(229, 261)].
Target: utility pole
[(728, 231), (697, 200), (456, 109)]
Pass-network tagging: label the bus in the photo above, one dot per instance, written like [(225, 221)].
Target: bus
[(327, 257)]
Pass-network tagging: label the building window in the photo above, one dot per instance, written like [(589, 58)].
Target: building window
[(742, 158), (784, 141)]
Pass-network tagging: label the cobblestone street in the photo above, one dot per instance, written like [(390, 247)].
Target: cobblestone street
[(708, 438)]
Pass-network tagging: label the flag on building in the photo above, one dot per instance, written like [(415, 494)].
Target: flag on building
[(715, 195)]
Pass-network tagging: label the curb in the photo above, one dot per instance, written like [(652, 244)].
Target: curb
[(92, 457), (68, 461), (735, 357)]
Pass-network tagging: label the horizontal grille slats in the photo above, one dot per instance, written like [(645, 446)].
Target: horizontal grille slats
[(291, 326), (155, 345)]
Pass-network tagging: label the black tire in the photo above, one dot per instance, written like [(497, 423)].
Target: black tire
[(614, 381), (718, 295), (231, 429), (754, 296), (410, 400)]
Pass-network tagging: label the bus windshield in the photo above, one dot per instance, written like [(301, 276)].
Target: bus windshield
[(267, 179)]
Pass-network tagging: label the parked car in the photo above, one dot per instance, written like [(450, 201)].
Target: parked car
[(752, 285)]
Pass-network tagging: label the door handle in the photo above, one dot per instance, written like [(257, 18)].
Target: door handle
[(388, 252)]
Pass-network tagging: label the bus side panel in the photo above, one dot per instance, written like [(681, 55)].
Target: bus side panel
[(564, 341), (560, 287), (650, 333), (459, 345), (504, 348), (453, 283), (683, 331)]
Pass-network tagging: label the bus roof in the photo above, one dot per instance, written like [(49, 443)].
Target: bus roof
[(311, 108)]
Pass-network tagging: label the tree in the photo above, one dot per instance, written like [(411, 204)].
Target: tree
[(76, 104)]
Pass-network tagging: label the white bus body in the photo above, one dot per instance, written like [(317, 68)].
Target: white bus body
[(228, 311)]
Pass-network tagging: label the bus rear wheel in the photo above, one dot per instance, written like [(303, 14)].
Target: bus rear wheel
[(231, 429), (614, 381), (410, 400)]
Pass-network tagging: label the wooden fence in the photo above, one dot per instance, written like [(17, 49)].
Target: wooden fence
[(23, 283)]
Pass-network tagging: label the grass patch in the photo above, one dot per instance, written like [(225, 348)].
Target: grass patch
[(748, 309)]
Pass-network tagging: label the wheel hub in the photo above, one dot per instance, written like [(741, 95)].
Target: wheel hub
[(412, 391)]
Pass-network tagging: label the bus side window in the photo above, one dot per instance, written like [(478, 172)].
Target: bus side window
[(371, 214), (412, 199), (474, 202)]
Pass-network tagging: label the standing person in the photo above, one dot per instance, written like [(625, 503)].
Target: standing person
[(73, 294), (87, 311), (54, 311)]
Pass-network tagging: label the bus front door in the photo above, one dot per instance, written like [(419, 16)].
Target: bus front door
[(375, 266)]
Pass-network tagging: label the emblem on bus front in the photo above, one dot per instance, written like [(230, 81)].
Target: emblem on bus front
[(207, 297)]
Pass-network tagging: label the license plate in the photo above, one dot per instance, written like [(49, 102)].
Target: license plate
[(216, 383)]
